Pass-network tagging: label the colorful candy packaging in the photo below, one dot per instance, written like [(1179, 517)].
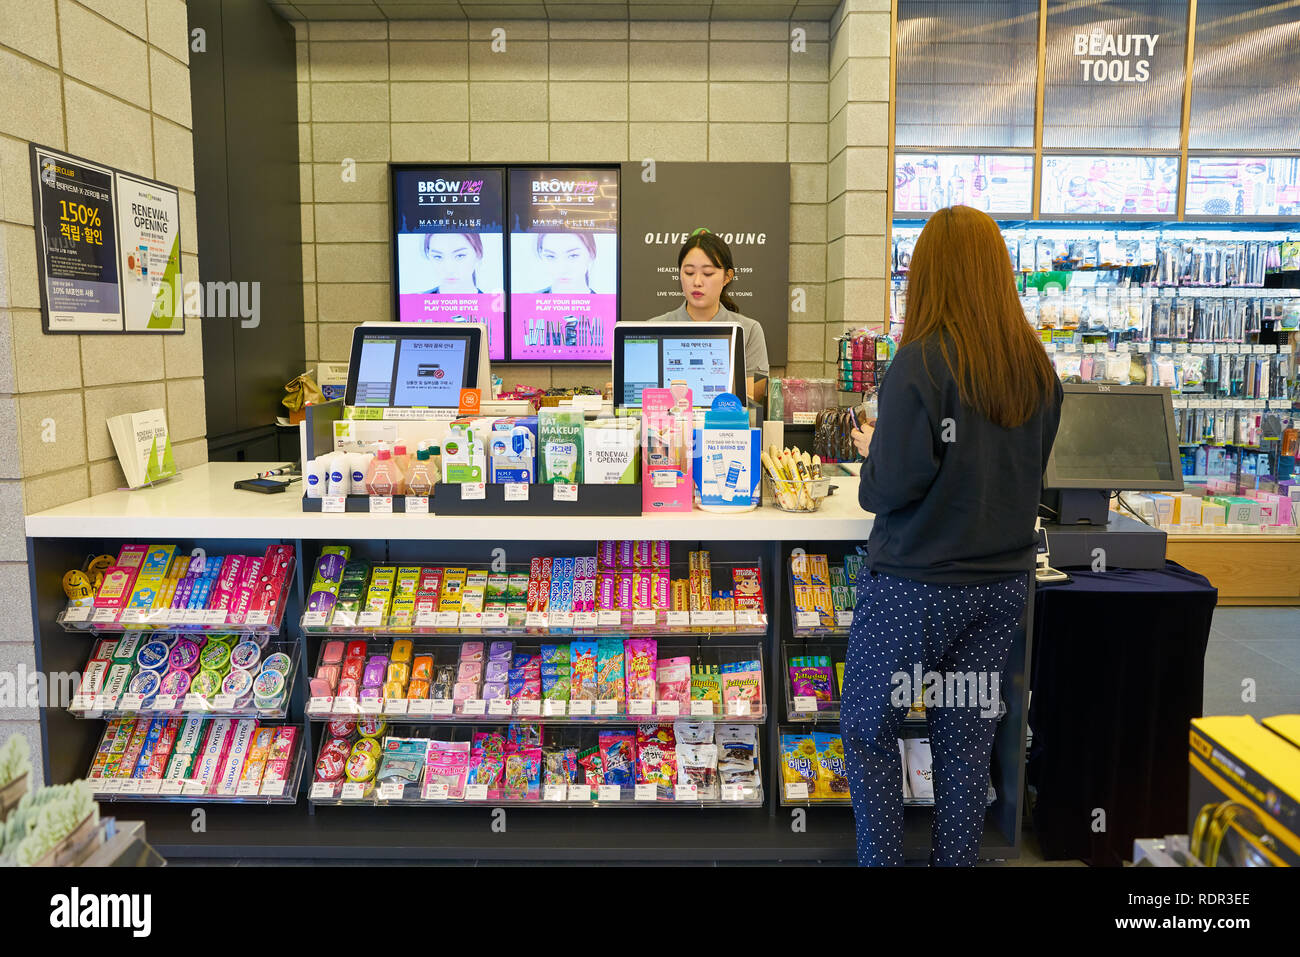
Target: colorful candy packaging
[(555, 654), (487, 762), (674, 679), (640, 660), (523, 774), (555, 682), (832, 774), (743, 681), (403, 760), (698, 764), (592, 767), (810, 676), (559, 766), (583, 671), (656, 758), (609, 669), (448, 763), (617, 755), (799, 761), (706, 684)]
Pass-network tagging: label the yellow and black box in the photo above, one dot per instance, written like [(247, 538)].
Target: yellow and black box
[(1244, 791)]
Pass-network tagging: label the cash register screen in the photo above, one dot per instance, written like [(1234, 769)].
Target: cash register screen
[(706, 359), (425, 368)]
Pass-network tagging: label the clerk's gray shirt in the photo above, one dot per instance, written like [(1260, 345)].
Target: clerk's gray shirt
[(755, 344)]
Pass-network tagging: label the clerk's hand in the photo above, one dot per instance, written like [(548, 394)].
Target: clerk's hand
[(862, 438)]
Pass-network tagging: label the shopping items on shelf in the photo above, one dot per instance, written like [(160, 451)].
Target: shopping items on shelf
[(156, 587), (369, 759), (208, 758), (598, 679), (152, 673), (626, 584)]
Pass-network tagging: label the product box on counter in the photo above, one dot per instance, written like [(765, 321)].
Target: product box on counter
[(1244, 791)]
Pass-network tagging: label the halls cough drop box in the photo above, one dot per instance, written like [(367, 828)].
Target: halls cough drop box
[(1244, 791)]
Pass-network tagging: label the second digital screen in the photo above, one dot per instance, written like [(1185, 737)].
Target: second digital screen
[(530, 252)]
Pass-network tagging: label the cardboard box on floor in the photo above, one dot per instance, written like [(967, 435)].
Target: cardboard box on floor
[(1244, 791)]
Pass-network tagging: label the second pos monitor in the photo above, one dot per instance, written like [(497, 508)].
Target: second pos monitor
[(708, 357), (397, 365)]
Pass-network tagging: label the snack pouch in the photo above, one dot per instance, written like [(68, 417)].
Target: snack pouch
[(609, 669), (698, 764), (832, 774), (582, 678), (617, 753), (706, 683), (593, 768), (674, 679), (693, 732), (448, 763), (640, 661), (559, 766), (522, 775), (555, 654), (799, 760)]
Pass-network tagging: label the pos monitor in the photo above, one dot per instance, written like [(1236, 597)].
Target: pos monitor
[(398, 365), (1111, 438), (708, 356)]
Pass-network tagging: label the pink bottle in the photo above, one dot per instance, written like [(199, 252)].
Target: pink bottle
[(384, 477)]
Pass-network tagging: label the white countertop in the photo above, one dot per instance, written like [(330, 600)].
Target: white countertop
[(203, 503)]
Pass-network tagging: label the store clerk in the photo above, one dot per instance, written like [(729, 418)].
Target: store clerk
[(705, 268)]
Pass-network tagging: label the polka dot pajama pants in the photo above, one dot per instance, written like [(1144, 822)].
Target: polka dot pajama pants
[(897, 624)]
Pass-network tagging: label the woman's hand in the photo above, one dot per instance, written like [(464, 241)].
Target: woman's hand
[(862, 437)]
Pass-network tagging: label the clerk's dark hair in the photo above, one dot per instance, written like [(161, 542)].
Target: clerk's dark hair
[(719, 254)]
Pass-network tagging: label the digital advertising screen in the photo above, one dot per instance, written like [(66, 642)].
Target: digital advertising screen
[(563, 264), (450, 248), (1243, 186), (1133, 186), (925, 182)]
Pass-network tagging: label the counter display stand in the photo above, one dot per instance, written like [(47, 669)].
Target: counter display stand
[(753, 825)]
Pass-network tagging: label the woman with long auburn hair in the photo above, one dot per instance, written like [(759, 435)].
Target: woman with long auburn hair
[(953, 470)]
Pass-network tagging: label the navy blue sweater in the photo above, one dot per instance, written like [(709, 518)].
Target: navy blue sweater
[(954, 495)]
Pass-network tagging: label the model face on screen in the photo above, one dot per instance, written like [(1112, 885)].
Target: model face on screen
[(454, 257), (567, 258), (702, 281)]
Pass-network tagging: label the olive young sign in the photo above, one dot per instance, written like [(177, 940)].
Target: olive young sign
[(108, 247), (746, 204)]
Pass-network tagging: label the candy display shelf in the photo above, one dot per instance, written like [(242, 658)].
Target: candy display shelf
[(203, 512), (127, 705), (194, 792)]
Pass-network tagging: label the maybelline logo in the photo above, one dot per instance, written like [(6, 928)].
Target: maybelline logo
[(76, 910), (731, 239), (560, 186), (452, 186)]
